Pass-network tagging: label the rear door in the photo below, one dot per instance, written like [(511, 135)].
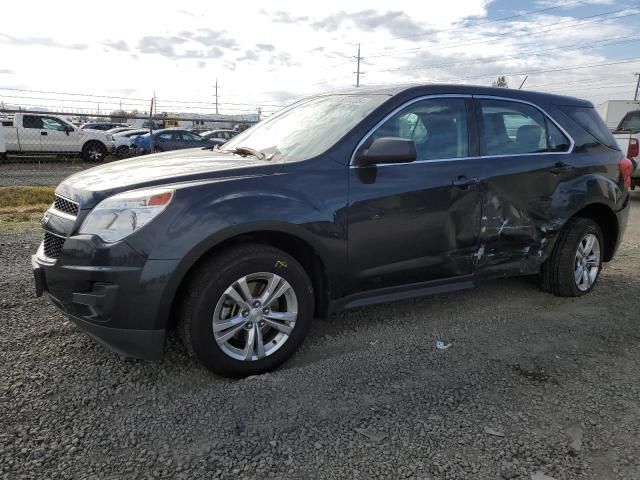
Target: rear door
[(419, 221), (29, 133), (526, 156), (191, 140)]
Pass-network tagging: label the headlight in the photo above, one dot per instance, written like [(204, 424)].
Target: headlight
[(116, 217)]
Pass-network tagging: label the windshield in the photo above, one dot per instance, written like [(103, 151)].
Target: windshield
[(631, 122), (307, 128)]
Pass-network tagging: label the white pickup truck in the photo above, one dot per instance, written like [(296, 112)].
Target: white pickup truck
[(628, 137), (45, 135)]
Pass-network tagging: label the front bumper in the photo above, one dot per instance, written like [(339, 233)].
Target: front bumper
[(116, 305)]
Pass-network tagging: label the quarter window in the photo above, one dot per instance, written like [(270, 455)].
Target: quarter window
[(438, 127), (510, 128)]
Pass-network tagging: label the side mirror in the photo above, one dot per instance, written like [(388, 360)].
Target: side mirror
[(69, 129), (388, 150)]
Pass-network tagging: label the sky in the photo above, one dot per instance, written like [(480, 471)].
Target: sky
[(268, 54)]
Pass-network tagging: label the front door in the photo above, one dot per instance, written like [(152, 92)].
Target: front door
[(417, 221), (55, 136)]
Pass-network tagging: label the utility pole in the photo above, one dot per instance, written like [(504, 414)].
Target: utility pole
[(358, 72), (153, 101), (635, 97), (216, 96)]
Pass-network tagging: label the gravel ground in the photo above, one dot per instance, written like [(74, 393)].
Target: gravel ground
[(532, 384), (39, 172)]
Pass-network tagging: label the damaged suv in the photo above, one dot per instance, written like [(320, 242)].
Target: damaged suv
[(338, 201)]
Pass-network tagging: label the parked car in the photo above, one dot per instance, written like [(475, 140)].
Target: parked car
[(115, 130), (339, 201), (219, 136), (169, 139), (102, 126), (44, 134), (124, 139), (627, 134), (612, 111)]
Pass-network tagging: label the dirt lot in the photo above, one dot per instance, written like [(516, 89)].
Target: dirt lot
[(531, 383)]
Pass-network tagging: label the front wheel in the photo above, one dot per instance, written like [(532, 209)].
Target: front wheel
[(94, 152), (122, 151), (574, 266), (246, 310)]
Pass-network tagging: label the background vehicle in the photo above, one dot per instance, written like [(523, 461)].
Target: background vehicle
[(612, 111), (627, 133), (102, 125), (115, 130), (220, 136), (344, 200), (170, 139), (40, 134), (123, 140)]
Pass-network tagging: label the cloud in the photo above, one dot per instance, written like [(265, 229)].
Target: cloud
[(249, 55), (166, 46), (208, 37), (266, 46), (40, 42), (285, 17), (119, 45), (6, 71), (396, 22)]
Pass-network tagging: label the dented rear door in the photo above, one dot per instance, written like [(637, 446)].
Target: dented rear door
[(524, 201)]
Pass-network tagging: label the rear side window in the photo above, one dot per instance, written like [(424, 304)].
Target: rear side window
[(589, 119), (31, 121), (512, 128), (630, 122)]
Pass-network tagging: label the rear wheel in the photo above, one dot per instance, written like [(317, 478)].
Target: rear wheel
[(574, 266), (246, 310)]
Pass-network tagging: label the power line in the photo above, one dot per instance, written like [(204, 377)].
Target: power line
[(496, 36), (466, 26), (598, 44)]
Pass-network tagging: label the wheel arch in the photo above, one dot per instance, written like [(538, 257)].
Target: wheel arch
[(292, 243), (607, 220)]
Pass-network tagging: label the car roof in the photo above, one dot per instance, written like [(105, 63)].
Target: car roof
[(445, 88)]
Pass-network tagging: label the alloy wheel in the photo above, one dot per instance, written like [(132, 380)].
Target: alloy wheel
[(587, 262), (255, 316)]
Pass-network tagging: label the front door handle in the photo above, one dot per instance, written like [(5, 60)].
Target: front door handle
[(463, 182), (43, 133), (561, 167)]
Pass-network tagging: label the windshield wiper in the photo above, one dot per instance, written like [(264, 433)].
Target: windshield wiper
[(250, 151)]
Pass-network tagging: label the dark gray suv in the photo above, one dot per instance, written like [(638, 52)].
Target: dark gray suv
[(339, 201)]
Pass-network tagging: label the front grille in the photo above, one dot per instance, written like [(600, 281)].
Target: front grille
[(66, 206), (52, 245)]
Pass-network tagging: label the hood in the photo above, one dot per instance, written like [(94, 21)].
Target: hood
[(88, 187)]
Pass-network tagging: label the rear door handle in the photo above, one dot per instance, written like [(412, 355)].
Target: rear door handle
[(561, 167), (463, 182), (43, 133)]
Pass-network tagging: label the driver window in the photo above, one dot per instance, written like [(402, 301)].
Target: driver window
[(437, 126), (53, 124)]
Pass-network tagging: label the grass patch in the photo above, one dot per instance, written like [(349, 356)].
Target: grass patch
[(19, 205), (25, 196)]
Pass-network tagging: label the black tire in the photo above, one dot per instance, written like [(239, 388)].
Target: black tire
[(122, 151), (157, 150), (206, 286), (558, 272), (94, 152)]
